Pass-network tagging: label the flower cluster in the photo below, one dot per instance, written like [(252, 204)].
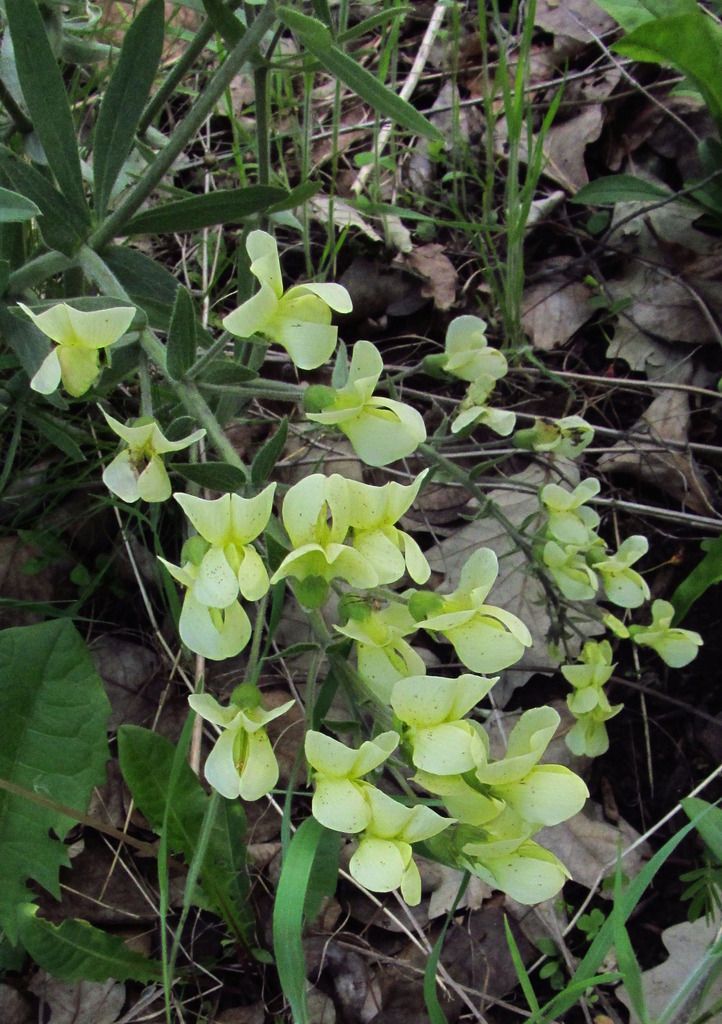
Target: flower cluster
[(676, 647), (588, 703), (344, 529), (577, 557)]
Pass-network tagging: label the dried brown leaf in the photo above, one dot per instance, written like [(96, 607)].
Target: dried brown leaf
[(554, 309), (79, 1002), (439, 273)]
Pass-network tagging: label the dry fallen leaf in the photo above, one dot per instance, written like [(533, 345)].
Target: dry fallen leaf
[(674, 472), (438, 272), (565, 144), (554, 309), (581, 20), (687, 942), (79, 1002), (14, 1007)]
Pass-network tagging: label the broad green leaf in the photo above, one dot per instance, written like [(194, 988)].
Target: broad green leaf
[(223, 873), (288, 914), (44, 91), (620, 188), (125, 99), (216, 476), (632, 13), (182, 335), (268, 454), (60, 226), (296, 197), (28, 343), (709, 825), (15, 208), (705, 574), (225, 22), (148, 283), (53, 717), (319, 41), (690, 42), (225, 206), (76, 950)]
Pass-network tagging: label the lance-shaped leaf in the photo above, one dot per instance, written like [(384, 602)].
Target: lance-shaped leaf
[(44, 91), (125, 98), (53, 715), (225, 206)]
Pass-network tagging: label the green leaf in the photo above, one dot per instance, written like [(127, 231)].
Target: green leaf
[(182, 336), (226, 372), (705, 574), (55, 432), (28, 343), (371, 23), (76, 950), (225, 206), (216, 476), (224, 22), (690, 42), (620, 188), (631, 13), (268, 454), (61, 228), (15, 208), (223, 872), (296, 197), (53, 717), (44, 91), (319, 41), (125, 98), (148, 283), (709, 825), (288, 914)]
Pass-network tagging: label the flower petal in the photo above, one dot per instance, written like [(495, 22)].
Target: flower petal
[(548, 795), (220, 769), (380, 864), (339, 804), (249, 516), (216, 585), (153, 482), (47, 377), (200, 634), (253, 315), (54, 323), (206, 705), (334, 295), (210, 517), (252, 575), (445, 749), (265, 264), (308, 344), (121, 477), (259, 774), (100, 328), (79, 369)]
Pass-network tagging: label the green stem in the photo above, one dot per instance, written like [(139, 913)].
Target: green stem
[(277, 391), (253, 668), (263, 137), (186, 392), (39, 269), (211, 352), (186, 130)]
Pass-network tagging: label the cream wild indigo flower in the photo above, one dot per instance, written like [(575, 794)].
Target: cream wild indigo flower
[(383, 656), (79, 337), (622, 584), (242, 762), (380, 430), (317, 516), (230, 564), (442, 741), (523, 869), (299, 319), (569, 520), (474, 409), (568, 436), (138, 470), (373, 513), (570, 571), (467, 354), (340, 800), (676, 647), (384, 858), (486, 638)]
